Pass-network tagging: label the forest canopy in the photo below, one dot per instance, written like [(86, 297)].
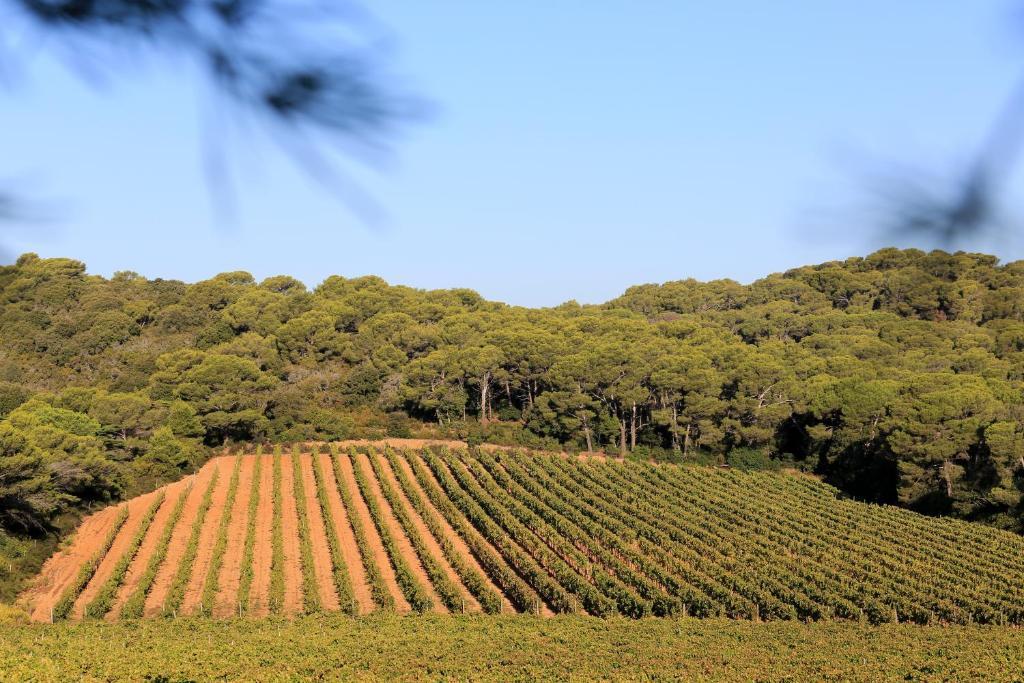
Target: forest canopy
[(899, 377)]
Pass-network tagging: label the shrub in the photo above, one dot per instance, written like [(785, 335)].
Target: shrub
[(12, 616), (750, 459)]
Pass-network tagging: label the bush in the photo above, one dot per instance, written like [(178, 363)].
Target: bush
[(503, 434), (750, 459), (12, 396), (703, 458), (656, 454), (12, 616), (398, 425)]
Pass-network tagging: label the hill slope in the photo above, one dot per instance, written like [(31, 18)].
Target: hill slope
[(898, 377), (456, 530)]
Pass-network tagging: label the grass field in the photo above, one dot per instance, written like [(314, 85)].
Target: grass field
[(475, 531), (388, 647)]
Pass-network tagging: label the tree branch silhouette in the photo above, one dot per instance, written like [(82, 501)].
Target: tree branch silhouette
[(298, 69), (970, 205)]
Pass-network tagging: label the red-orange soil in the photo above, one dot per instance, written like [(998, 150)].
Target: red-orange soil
[(60, 571), (380, 556)]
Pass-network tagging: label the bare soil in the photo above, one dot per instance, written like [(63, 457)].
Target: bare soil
[(62, 568), (226, 601), (545, 609), (471, 604), (380, 556), (349, 548), (136, 510), (290, 526), (207, 540), (398, 534), (176, 548), (141, 561), (454, 537), (322, 565), (259, 593)]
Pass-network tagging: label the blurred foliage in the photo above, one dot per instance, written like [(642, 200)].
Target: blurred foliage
[(306, 73)]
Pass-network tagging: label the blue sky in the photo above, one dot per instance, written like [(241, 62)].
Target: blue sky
[(576, 147)]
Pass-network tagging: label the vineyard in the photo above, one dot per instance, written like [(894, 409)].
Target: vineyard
[(383, 647), (360, 529)]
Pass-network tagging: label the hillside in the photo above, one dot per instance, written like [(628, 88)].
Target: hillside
[(374, 528), (897, 377)]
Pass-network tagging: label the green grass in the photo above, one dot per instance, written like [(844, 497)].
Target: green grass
[(384, 647), (21, 558)]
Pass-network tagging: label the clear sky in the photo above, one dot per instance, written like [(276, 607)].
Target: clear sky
[(576, 147)]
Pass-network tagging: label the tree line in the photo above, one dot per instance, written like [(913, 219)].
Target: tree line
[(897, 376)]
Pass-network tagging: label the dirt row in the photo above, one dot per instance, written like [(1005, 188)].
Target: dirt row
[(346, 539), (259, 595), (138, 565), (226, 602), (451, 534), (322, 565), (60, 570), (470, 603), (419, 444), (545, 609)]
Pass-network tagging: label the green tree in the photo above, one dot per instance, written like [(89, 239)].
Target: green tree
[(231, 395), (28, 497)]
